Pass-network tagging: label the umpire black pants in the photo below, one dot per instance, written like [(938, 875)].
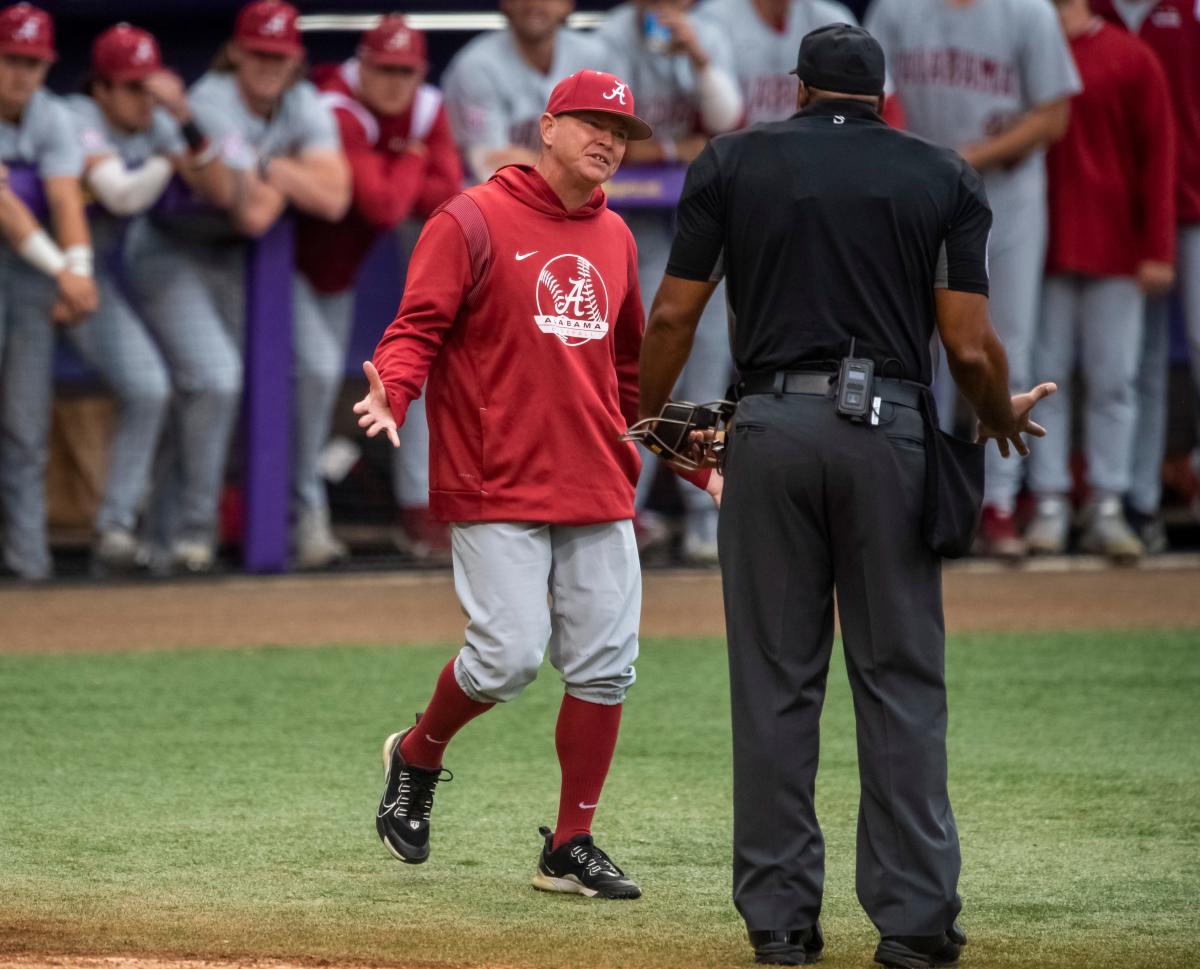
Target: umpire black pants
[(813, 502)]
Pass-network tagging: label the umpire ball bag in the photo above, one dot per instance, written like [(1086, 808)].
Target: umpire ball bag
[(953, 487)]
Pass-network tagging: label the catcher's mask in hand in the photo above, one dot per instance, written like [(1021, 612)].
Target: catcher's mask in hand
[(669, 434)]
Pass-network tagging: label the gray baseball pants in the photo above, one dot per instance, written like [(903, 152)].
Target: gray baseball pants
[(1150, 436), (1098, 322), (193, 296), (26, 396), (321, 327), (527, 586)]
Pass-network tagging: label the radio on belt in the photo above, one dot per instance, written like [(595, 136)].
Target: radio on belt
[(855, 385)]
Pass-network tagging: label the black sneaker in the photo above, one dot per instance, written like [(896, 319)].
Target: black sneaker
[(917, 951), (788, 947), (403, 817), (956, 934), (580, 868)]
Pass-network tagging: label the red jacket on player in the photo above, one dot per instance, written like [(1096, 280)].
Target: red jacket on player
[(528, 321), (1112, 176), (390, 183), (1172, 30)]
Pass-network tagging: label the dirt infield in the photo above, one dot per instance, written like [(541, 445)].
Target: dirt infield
[(409, 607)]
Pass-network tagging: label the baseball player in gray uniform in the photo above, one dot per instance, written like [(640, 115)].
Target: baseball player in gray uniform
[(765, 35), (280, 145), (131, 149), (36, 130), (991, 78), (683, 73), (497, 86)]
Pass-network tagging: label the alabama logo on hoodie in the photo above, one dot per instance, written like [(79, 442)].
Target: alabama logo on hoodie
[(572, 300)]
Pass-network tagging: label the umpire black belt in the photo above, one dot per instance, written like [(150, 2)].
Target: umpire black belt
[(822, 383)]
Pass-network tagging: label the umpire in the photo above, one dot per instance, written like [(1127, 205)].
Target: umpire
[(843, 243)]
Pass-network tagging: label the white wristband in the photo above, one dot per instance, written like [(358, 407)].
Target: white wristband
[(80, 260), (39, 250)]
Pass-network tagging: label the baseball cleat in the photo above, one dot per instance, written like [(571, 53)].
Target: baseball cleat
[(402, 820), (788, 947), (580, 868), (1107, 533)]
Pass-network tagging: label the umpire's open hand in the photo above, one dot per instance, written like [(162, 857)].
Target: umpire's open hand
[(373, 411), (1022, 406)]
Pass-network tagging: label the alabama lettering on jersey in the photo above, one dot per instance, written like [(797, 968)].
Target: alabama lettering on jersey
[(764, 56), (964, 74)]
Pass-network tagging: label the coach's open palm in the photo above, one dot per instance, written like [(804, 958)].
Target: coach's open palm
[(373, 411)]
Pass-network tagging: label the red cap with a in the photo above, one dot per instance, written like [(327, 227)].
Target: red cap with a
[(27, 32), (394, 42), (269, 26), (597, 91), (125, 53)]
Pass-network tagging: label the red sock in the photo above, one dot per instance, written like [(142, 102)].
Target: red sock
[(448, 711), (585, 737)]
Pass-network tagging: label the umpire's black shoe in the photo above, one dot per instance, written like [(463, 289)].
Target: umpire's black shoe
[(403, 817), (956, 935), (580, 868), (788, 947), (917, 951)]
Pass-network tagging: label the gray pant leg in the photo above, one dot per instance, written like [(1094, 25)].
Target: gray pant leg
[(1150, 419), (1054, 359), (1016, 278), (596, 607), (322, 338), (410, 461), (118, 345), (190, 296), (502, 577), (777, 577), (1111, 313), (26, 398)]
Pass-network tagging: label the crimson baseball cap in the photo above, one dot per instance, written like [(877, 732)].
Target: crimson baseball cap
[(269, 26), (27, 32), (596, 91), (394, 43), (841, 58), (125, 53)]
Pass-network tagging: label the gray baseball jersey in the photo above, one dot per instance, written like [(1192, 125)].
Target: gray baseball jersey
[(99, 138), (44, 137), (764, 56), (664, 86), (494, 97), (302, 122), (966, 73)]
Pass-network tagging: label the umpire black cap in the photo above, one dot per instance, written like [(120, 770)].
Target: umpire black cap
[(841, 58)]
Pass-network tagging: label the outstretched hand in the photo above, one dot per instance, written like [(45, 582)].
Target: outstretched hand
[(1022, 405), (374, 412)]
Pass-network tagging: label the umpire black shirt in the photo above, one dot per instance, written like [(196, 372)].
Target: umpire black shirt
[(831, 225)]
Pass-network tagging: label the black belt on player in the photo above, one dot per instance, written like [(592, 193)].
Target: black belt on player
[(823, 383)]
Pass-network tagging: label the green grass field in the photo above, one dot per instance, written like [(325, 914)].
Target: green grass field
[(222, 803)]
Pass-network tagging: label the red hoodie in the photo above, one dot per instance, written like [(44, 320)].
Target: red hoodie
[(1172, 29), (390, 183), (1112, 176), (527, 320)]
